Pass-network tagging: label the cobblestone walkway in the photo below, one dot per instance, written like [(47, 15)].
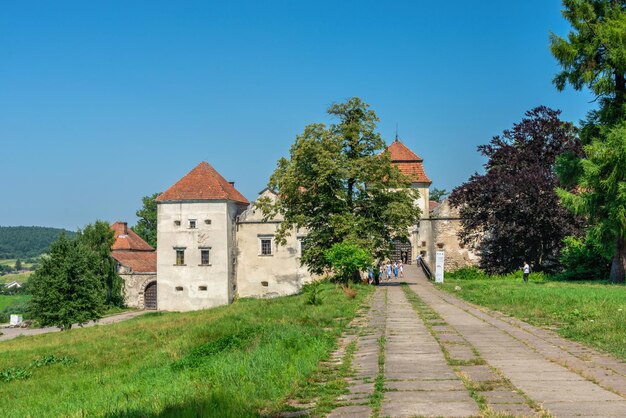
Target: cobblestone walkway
[(423, 352)]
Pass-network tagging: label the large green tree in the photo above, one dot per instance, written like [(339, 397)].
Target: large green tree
[(594, 56), (65, 288), (339, 184), (146, 226), (99, 237)]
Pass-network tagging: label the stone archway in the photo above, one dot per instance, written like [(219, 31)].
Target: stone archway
[(402, 250), (150, 295)]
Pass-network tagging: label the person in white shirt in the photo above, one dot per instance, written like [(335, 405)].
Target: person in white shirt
[(526, 270)]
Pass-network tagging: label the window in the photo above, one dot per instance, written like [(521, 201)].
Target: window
[(207, 221), (192, 224), (301, 247), (177, 223), (179, 288), (180, 256), (204, 257), (202, 288), (266, 246)]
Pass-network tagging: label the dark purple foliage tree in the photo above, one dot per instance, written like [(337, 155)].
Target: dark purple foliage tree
[(512, 213)]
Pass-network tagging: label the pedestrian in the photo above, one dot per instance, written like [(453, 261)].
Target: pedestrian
[(526, 270), (388, 270), (401, 268), (381, 271), (378, 272), (370, 275), (395, 269)]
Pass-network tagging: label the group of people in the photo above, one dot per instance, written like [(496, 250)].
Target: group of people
[(385, 271)]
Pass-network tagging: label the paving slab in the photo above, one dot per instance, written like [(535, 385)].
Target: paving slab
[(532, 360)]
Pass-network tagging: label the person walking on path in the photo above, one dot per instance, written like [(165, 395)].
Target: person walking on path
[(401, 268), (388, 270), (526, 270), (395, 270), (370, 275)]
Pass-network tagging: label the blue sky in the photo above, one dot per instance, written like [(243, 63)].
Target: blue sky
[(102, 103)]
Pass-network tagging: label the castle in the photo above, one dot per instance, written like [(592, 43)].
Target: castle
[(213, 244)]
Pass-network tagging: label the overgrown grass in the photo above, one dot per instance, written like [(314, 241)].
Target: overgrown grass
[(590, 312), (7, 301), (236, 361), (18, 277)]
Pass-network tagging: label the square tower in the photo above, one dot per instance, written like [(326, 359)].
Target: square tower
[(196, 241)]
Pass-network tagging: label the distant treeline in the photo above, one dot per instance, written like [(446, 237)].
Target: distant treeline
[(27, 241)]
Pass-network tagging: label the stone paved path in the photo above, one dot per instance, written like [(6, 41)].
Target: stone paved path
[(417, 376), (441, 356), (535, 361)]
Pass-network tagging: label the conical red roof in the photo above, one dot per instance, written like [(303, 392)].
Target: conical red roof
[(408, 162), (202, 183)]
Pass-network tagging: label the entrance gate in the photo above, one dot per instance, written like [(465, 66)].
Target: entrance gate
[(402, 251), (150, 296)]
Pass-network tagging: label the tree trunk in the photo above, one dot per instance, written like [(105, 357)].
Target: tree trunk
[(618, 266)]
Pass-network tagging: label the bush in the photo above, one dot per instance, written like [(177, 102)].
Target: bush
[(582, 259), (348, 259), (313, 293)]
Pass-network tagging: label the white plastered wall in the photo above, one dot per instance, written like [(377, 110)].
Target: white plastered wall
[(182, 288)]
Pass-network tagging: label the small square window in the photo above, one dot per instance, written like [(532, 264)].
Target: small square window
[(207, 221), (204, 257), (203, 288), (177, 223), (180, 257), (179, 288), (192, 224), (423, 243), (266, 246)]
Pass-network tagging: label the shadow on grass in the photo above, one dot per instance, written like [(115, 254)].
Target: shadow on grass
[(216, 405)]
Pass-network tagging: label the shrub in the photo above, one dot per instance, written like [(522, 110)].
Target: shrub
[(313, 293), (347, 259), (582, 259)]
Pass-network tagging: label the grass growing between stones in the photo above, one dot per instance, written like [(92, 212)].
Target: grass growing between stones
[(475, 388), (234, 361), (591, 313)]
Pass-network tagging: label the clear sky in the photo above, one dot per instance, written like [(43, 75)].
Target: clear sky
[(102, 103)]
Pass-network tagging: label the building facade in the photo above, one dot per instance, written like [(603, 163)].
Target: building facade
[(214, 245)]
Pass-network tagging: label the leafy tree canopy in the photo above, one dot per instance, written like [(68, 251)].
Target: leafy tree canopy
[(27, 241), (512, 213), (65, 288), (438, 194), (146, 226), (99, 237), (594, 56), (339, 184)]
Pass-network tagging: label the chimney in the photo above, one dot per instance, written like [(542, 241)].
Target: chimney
[(232, 183), (125, 230)]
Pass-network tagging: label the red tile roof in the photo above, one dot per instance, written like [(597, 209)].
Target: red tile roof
[(202, 183), (400, 152), (409, 163), (138, 261), (127, 240), (432, 204)]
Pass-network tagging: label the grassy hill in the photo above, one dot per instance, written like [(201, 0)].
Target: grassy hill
[(234, 361), (27, 241)]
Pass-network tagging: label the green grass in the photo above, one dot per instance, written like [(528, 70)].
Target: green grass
[(18, 277), (7, 301), (589, 312), (238, 360)]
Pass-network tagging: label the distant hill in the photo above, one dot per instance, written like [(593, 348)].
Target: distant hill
[(27, 241)]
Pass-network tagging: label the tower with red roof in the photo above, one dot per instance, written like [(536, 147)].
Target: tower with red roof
[(196, 254), (411, 165)]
